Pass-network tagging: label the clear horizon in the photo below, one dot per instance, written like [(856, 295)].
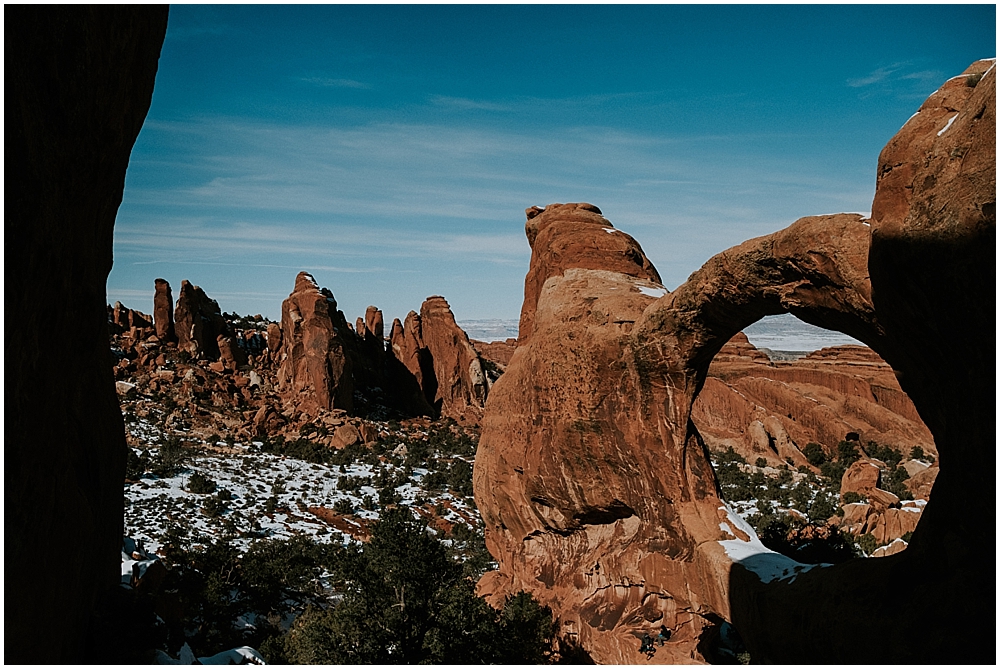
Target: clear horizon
[(391, 150)]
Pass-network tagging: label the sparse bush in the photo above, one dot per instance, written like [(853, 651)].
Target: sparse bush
[(344, 506), (852, 497), (867, 543), (761, 462), (847, 453), (201, 484)]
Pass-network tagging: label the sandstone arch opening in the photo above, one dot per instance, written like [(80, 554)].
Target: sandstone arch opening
[(814, 443), (932, 264)]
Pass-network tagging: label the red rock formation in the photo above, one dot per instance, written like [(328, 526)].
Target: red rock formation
[(316, 370), (497, 352), (932, 268), (591, 501), (198, 322), (127, 319), (861, 477), (586, 240), (407, 344), (591, 477), (462, 385), (79, 80), (163, 311), (230, 354)]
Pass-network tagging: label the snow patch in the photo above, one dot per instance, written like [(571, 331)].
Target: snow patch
[(652, 292), (756, 557), (950, 121), (610, 231)]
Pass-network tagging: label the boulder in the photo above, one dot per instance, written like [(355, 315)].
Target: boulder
[(921, 483), (345, 435), (231, 355), (163, 311), (861, 477)]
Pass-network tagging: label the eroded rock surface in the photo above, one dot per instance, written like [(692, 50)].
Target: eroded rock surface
[(772, 410), (461, 382), (163, 311), (316, 372), (198, 322), (594, 483)]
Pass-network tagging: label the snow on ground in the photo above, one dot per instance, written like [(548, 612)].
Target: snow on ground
[(152, 504), (757, 558)]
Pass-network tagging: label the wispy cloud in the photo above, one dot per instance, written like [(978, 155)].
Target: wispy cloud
[(329, 82), (469, 105), (876, 76)]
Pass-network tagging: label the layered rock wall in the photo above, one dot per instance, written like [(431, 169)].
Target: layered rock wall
[(78, 82), (751, 404)]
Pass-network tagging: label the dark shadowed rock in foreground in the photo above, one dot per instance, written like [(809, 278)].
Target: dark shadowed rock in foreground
[(79, 82)]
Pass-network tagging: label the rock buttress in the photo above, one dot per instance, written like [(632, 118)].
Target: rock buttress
[(79, 82)]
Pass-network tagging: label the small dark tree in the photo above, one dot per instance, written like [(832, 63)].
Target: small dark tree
[(814, 454)]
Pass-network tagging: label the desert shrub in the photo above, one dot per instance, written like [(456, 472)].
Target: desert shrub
[(728, 455), (852, 497), (169, 458), (823, 506), (344, 506), (810, 543), (200, 484), (867, 543), (734, 484), (760, 462), (886, 454), (917, 453), (895, 482), (271, 504), (801, 496), (213, 507), (135, 465), (814, 454), (847, 453)]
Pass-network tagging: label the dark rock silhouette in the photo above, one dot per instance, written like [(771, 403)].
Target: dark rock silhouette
[(79, 82)]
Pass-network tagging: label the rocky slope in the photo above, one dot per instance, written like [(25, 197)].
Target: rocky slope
[(594, 482)]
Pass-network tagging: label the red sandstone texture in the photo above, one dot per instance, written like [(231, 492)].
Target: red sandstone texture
[(198, 322), (163, 311), (593, 481), (773, 409)]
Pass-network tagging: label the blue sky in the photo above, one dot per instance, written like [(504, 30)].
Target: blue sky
[(391, 150)]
